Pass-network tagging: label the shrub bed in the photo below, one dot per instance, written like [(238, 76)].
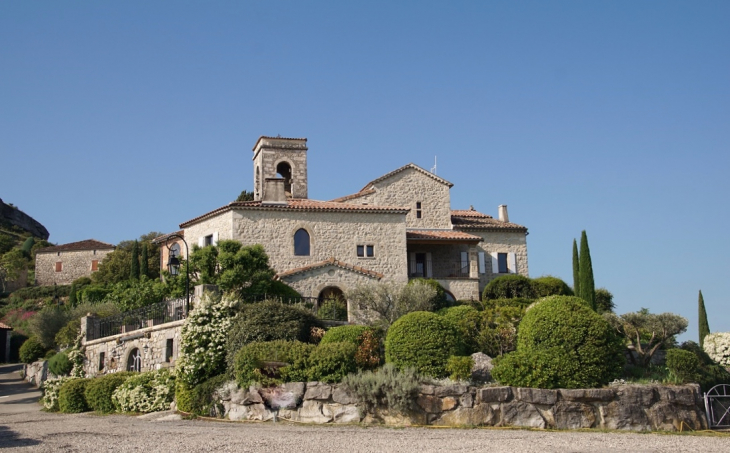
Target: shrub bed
[(31, 350), (683, 366), (202, 397), (99, 391), (509, 287), (331, 362), (250, 362), (59, 364), (71, 398), (147, 392), (344, 334), (423, 341), (386, 387)]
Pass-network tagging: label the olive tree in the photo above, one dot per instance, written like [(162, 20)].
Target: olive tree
[(646, 332), (384, 302)]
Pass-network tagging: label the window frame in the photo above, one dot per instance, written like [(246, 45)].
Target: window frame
[(296, 248), (502, 258), (365, 250)]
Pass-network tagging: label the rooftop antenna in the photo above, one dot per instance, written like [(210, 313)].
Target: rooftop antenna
[(433, 169)]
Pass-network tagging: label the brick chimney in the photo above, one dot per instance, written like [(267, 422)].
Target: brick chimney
[(274, 191), (503, 216)]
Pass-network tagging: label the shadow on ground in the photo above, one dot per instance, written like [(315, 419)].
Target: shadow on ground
[(11, 439)]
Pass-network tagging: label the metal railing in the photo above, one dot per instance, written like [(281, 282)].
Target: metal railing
[(175, 310), (129, 321), (440, 269)]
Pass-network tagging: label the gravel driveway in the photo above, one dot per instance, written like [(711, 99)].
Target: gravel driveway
[(23, 427)]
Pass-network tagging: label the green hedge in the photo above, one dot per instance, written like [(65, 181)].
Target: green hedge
[(40, 292), (71, 396), (509, 287), (466, 320), (459, 367), (421, 340), (550, 286), (59, 364), (270, 321), (331, 362), (348, 334), (249, 362), (201, 401), (710, 373), (562, 343), (683, 365), (31, 350), (99, 391)]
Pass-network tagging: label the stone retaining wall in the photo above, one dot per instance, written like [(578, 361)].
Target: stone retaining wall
[(623, 407), (36, 373)]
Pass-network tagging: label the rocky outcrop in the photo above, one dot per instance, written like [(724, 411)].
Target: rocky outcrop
[(624, 407), (16, 217)]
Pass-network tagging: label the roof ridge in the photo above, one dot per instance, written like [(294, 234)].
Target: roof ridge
[(405, 167)]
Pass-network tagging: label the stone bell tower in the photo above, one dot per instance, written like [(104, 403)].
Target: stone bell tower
[(276, 159)]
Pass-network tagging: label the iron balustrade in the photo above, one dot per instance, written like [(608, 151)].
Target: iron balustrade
[(176, 310), (440, 269)]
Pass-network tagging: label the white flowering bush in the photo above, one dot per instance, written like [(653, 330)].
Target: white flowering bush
[(717, 346), (50, 390), (205, 338), (147, 392)]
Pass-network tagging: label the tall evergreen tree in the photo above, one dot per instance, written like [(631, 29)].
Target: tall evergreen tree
[(586, 285), (144, 261), (576, 269), (72, 296), (704, 325), (134, 269)]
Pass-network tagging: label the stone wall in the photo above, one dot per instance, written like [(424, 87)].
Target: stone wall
[(75, 264), (118, 348), (36, 373), (269, 152), (624, 407), (408, 187), (461, 289)]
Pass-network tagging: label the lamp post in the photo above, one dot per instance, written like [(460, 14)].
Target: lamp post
[(173, 266)]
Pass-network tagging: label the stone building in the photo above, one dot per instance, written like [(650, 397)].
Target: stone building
[(62, 264), (398, 227)]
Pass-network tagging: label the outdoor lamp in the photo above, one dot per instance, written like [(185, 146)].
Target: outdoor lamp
[(173, 264)]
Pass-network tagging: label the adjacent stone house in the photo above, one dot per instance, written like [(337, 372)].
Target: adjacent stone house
[(398, 227), (62, 264)]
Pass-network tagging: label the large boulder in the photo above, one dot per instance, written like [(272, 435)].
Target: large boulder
[(481, 371)]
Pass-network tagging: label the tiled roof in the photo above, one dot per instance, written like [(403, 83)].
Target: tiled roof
[(474, 220), (353, 196), (301, 204), (5, 326), (404, 168), (441, 235), (330, 262), (89, 244), (162, 239)]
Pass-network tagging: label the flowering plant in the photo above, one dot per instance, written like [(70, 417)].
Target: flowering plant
[(204, 339), (50, 390), (717, 346), (147, 392)]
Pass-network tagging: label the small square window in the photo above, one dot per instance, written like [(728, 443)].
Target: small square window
[(208, 240), (168, 350), (59, 266), (370, 251), (360, 250)]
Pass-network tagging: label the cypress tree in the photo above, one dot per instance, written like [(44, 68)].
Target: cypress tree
[(576, 269), (72, 296), (704, 325), (134, 269), (586, 285), (144, 261)]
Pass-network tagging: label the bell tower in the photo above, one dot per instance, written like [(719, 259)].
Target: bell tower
[(280, 158)]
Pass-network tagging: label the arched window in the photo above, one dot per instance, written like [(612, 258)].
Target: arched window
[(175, 250), (283, 170), (301, 242), (134, 362)]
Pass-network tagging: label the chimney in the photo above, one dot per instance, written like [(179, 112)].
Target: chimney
[(503, 216), (274, 191)]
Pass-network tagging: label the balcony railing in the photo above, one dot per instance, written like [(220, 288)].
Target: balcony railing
[(439, 269)]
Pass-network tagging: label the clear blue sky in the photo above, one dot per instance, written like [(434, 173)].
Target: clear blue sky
[(120, 118)]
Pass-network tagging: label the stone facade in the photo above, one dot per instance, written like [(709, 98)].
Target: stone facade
[(624, 407), (400, 225), (76, 260)]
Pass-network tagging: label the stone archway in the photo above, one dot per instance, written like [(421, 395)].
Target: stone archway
[(134, 360), (331, 304)]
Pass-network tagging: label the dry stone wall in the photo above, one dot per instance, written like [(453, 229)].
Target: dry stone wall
[(623, 407)]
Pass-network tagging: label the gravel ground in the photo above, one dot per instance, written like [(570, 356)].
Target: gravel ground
[(23, 427)]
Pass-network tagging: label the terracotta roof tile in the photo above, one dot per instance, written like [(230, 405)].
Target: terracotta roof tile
[(330, 262), (404, 168), (301, 204), (353, 196), (474, 220), (89, 244), (5, 326), (164, 237), (440, 235)]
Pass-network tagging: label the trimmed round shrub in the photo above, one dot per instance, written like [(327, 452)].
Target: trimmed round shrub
[(72, 398), (269, 321), (466, 321), (509, 287), (562, 343), (516, 302), (421, 340), (683, 365), (31, 350), (331, 362), (99, 391), (59, 364), (251, 360), (551, 286), (459, 368), (348, 334), (440, 300)]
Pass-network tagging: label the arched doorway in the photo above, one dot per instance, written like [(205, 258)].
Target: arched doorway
[(134, 361), (332, 305), (283, 170)]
